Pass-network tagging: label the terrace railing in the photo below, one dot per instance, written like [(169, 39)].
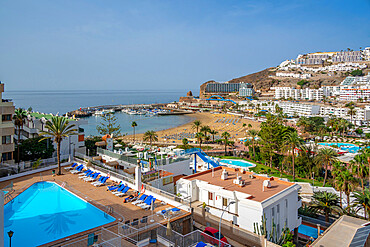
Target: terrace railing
[(131, 160)]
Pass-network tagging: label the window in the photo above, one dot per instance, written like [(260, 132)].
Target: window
[(273, 212), (6, 117), (7, 156), (278, 208), (6, 139), (210, 196), (286, 203), (224, 202)]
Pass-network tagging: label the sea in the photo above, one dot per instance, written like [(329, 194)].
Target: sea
[(60, 102)]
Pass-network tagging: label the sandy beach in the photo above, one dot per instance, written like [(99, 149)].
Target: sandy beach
[(219, 122)]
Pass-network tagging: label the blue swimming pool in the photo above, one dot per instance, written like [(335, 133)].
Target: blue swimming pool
[(46, 212), (308, 231), (349, 147), (241, 163)]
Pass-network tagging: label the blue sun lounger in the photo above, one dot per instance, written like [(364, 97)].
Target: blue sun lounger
[(100, 182), (78, 169), (147, 200), (148, 205), (86, 174), (70, 167), (123, 192), (92, 177), (117, 189), (140, 200)]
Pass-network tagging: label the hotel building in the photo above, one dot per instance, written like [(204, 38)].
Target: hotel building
[(251, 196), (6, 128)]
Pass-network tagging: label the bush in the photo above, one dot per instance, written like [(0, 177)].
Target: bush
[(357, 72), (302, 82)]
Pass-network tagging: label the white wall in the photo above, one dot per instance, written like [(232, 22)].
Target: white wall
[(178, 168)]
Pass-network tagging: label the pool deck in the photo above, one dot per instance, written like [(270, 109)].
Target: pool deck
[(97, 194)]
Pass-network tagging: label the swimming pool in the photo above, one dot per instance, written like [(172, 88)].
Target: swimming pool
[(308, 231), (46, 212), (352, 148), (240, 163)]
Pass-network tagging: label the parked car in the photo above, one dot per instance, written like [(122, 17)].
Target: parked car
[(211, 235)]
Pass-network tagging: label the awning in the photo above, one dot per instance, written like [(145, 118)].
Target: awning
[(100, 144), (97, 158), (112, 163)]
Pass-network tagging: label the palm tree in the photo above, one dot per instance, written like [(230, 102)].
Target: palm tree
[(226, 136), (249, 126), (185, 142), (362, 200), (365, 152), (326, 156), (213, 133), (291, 142), (359, 168), (133, 125), (58, 128), (253, 133), (326, 202), (348, 183), (19, 120), (351, 111), (199, 137), (150, 136), (338, 179), (196, 125), (205, 129)]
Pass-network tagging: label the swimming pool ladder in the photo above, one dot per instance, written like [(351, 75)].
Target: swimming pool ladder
[(9, 197)]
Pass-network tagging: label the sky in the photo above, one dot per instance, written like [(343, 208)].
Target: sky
[(165, 45)]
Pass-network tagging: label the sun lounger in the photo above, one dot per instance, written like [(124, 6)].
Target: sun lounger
[(123, 192), (140, 200), (113, 187), (78, 169), (70, 167), (92, 177), (147, 206), (101, 182), (86, 174), (119, 190), (146, 201)]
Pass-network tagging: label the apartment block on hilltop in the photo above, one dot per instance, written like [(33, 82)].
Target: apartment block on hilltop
[(6, 128), (244, 196)]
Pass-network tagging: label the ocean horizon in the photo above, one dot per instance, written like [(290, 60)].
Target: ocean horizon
[(62, 101)]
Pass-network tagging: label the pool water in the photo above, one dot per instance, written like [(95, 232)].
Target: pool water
[(46, 212), (308, 231), (241, 163), (349, 147)]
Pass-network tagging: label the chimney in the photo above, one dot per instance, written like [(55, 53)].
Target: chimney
[(266, 183), (224, 175)]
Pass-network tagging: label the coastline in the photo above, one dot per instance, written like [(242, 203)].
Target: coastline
[(173, 135)]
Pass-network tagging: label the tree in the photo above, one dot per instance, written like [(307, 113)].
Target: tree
[(226, 135), (19, 120), (213, 133), (326, 202), (133, 125), (362, 200), (351, 111), (326, 156), (196, 125), (359, 168), (109, 125), (33, 148), (58, 128), (253, 134), (199, 137), (365, 152), (205, 129), (338, 179), (348, 183), (150, 136), (291, 142), (185, 142)]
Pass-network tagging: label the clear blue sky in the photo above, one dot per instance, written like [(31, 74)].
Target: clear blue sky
[(177, 45)]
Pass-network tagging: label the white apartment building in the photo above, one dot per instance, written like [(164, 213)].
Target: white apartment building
[(361, 116), (291, 109), (35, 123), (253, 196), (293, 75), (355, 93), (299, 94)]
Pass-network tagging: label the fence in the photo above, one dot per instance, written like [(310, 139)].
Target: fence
[(125, 158), (103, 238), (29, 165)]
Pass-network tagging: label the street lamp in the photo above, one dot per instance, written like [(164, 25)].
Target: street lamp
[(10, 234), (219, 225)]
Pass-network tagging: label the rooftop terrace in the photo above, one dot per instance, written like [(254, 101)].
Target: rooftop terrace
[(253, 186)]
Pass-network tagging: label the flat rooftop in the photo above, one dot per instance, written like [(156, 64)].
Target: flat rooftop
[(253, 187)]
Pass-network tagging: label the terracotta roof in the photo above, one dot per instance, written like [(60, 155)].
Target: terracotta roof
[(252, 187)]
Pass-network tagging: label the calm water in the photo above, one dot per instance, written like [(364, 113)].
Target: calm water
[(46, 212), (65, 101)]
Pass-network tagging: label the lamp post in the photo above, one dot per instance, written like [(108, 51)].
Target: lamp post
[(219, 225), (313, 178), (10, 234)]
